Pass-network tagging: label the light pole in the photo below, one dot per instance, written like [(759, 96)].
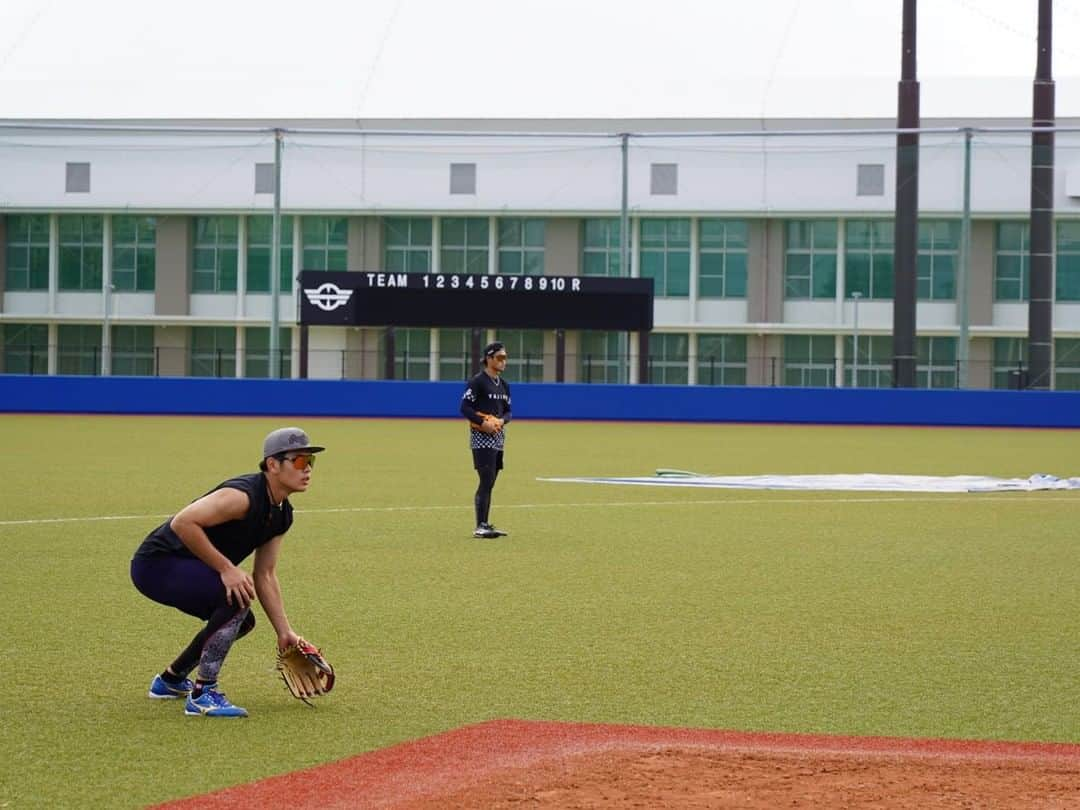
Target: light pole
[(855, 296)]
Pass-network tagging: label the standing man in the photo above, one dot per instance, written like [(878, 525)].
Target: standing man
[(486, 404), (191, 562)]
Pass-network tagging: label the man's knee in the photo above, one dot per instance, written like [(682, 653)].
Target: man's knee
[(247, 625)]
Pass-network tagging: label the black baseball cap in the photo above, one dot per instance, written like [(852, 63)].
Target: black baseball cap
[(494, 348)]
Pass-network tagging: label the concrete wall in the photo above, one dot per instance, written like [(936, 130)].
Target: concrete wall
[(534, 173)]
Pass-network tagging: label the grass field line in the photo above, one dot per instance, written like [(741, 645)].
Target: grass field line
[(581, 505)]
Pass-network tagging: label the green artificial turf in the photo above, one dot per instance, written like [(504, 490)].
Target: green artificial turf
[(852, 613)]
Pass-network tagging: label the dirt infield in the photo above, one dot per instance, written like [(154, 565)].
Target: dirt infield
[(513, 763)]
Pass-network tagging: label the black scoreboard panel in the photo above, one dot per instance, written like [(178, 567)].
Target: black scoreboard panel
[(467, 300)]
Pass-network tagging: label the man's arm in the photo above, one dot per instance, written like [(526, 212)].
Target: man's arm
[(190, 525), (468, 410), (269, 591), (468, 406)]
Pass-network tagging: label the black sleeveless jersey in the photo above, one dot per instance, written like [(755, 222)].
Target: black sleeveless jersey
[(490, 395), (236, 539)]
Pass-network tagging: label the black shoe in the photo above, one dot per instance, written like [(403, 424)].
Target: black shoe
[(492, 531)]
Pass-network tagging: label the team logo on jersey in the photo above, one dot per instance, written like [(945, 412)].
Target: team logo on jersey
[(328, 297)]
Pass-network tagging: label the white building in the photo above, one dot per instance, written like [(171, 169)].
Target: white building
[(144, 247)]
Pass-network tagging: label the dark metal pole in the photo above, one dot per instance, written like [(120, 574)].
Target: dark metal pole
[(1040, 308), (477, 349), (560, 355), (303, 352), (643, 357), (390, 346), (905, 255)]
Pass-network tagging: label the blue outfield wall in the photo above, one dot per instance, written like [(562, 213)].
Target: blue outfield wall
[(190, 395)]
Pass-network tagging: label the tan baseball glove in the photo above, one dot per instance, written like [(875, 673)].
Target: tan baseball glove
[(304, 670)]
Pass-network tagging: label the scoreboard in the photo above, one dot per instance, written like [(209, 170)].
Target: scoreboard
[(473, 300)]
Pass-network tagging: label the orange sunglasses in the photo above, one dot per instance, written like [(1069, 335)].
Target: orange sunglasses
[(299, 462)]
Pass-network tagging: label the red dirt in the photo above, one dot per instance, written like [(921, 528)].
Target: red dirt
[(510, 763)]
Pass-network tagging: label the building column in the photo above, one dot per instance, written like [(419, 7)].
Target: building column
[(434, 355), (53, 348), (106, 294), (241, 269), (840, 318), (54, 264)]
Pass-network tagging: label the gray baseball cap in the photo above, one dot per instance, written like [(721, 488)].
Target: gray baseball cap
[(286, 439)]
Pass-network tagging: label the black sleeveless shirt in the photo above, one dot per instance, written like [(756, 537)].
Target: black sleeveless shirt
[(236, 539)]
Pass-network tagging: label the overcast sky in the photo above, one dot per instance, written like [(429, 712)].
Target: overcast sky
[(522, 58)]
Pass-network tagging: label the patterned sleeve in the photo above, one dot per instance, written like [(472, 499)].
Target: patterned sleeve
[(468, 405)]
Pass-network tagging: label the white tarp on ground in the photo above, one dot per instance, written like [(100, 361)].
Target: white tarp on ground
[(869, 482)]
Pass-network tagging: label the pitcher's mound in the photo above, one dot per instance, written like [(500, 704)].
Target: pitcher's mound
[(515, 763)]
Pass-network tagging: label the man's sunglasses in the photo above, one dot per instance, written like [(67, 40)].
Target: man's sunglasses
[(300, 462)]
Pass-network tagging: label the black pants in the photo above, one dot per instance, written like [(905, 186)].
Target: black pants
[(193, 587), (487, 462)]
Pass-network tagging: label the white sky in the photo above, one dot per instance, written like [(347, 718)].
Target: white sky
[(522, 58)]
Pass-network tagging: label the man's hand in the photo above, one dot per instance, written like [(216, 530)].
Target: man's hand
[(492, 424), (239, 586), (288, 639)]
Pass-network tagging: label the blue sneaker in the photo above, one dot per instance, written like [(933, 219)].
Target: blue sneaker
[(212, 703), (161, 689)]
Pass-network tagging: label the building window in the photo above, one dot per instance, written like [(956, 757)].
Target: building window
[(77, 178), (257, 352), (133, 351), (669, 359), (1068, 262), (810, 259), (407, 244), (521, 246), (213, 351), (27, 252), (462, 178), (265, 178), (1067, 364), (525, 348), (78, 349), (665, 256), (722, 258), (454, 359), (134, 253), (721, 360), (215, 259), (81, 251), (870, 180), (936, 363), (1012, 251), (412, 354), (601, 254), (260, 238), (1010, 357), (874, 361), (809, 361), (325, 243), (868, 258), (464, 245), (26, 348), (664, 178), (939, 251), (603, 357)]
